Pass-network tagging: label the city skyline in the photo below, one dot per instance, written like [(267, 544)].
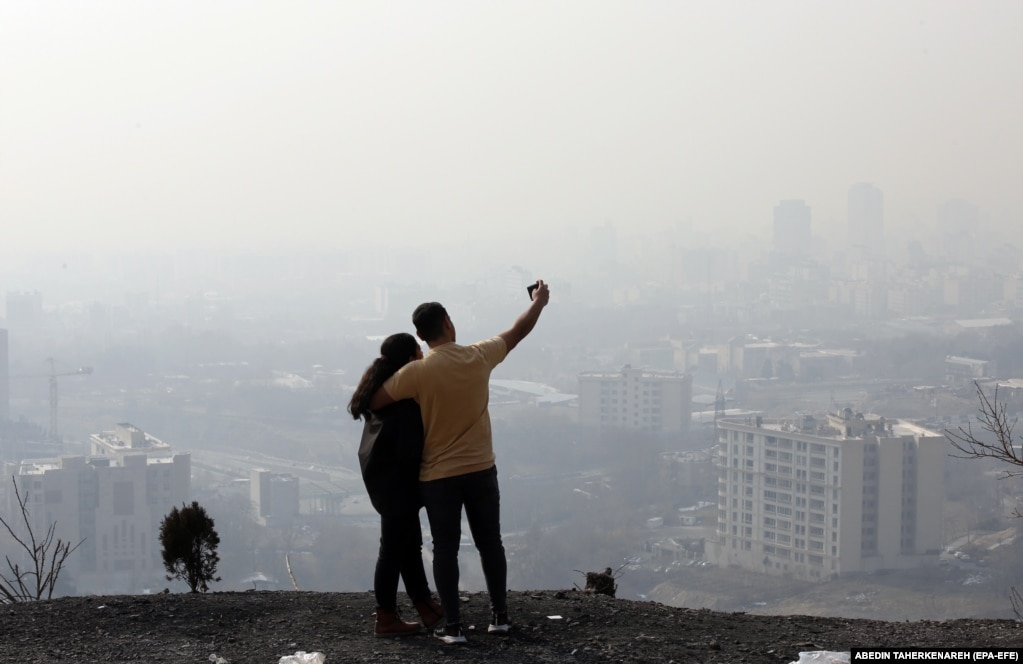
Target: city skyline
[(486, 128)]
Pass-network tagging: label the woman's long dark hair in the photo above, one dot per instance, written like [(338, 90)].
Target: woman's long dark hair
[(395, 352)]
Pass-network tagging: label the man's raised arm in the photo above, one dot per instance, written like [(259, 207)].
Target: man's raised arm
[(380, 399), (525, 323)]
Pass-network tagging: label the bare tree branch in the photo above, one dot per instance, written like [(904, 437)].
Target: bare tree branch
[(994, 420), (47, 559)]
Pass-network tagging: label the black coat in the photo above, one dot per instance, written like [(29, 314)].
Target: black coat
[(390, 453)]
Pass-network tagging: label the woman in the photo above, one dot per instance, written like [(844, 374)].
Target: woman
[(390, 452)]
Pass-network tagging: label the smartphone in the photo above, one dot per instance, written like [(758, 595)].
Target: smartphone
[(529, 290)]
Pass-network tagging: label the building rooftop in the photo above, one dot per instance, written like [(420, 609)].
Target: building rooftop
[(842, 425), (630, 371), (983, 322), (965, 360)]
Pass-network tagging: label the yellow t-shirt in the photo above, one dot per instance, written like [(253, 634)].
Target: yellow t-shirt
[(452, 386)]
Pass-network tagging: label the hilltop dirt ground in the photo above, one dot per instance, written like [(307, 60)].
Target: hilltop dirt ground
[(550, 626)]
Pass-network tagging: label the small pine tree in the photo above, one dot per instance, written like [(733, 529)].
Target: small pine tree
[(190, 546)]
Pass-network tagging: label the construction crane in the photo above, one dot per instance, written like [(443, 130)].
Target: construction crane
[(54, 395)]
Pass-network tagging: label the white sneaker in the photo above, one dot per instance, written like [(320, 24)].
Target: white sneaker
[(499, 624), (450, 634)]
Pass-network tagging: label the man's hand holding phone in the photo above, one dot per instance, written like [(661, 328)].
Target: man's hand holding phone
[(539, 291)]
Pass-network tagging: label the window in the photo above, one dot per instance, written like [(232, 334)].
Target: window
[(123, 498)]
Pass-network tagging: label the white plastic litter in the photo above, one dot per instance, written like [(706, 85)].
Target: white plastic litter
[(822, 657), (303, 657)]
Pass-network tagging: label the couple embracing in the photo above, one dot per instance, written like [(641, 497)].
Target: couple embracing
[(427, 442)]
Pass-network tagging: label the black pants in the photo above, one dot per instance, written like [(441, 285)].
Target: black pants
[(401, 553), (479, 494)]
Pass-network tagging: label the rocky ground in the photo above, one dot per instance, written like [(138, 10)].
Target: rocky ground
[(550, 626)]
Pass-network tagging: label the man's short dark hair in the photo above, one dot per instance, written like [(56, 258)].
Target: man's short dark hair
[(429, 320)]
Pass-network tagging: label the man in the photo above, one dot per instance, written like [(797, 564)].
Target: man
[(451, 385)]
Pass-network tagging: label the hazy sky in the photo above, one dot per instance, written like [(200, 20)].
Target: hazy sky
[(327, 124)]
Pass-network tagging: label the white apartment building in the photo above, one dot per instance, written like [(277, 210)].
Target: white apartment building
[(114, 505), (965, 370), (659, 401), (816, 499), (127, 439)]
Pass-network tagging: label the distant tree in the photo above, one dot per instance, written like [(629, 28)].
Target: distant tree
[(47, 557), (190, 544)]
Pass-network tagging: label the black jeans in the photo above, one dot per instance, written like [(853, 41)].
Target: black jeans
[(401, 552), (479, 494)]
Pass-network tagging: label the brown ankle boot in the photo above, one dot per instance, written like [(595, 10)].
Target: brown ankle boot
[(390, 624), (430, 612)]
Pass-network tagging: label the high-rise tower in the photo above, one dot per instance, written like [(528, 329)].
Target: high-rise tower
[(792, 228), (5, 395), (866, 218)]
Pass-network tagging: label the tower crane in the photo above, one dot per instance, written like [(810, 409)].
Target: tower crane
[(54, 396)]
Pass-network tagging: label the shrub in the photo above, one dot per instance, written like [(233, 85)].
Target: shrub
[(190, 546)]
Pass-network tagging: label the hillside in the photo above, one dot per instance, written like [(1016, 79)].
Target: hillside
[(550, 626)]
